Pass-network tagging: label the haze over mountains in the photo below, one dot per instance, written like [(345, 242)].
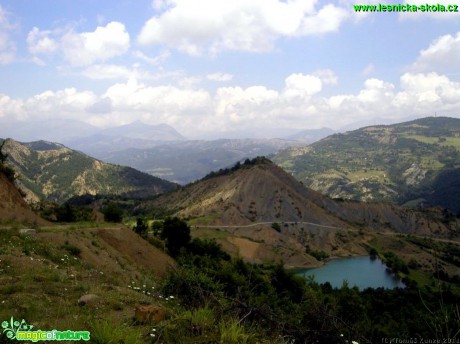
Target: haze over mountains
[(414, 162), (159, 149)]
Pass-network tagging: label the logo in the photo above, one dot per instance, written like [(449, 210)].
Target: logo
[(22, 331)]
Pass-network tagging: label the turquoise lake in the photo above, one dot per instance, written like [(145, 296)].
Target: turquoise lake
[(361, 272)]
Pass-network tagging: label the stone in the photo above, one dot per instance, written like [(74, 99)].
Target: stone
[(27, 231), (86, 299)]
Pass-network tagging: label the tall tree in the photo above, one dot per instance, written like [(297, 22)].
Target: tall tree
[(176, 234)]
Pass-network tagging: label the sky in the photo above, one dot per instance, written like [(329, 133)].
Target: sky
[(214, 67)]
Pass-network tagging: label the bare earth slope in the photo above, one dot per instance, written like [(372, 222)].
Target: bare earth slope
[(241, 205), (13, 207)]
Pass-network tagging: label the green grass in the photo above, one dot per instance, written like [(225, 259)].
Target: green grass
[(449, 141), (210, 233), (422, 278), (110, 332), (204, 220), (428, 162), (231, 332)]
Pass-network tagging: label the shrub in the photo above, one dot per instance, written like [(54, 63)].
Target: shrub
[(141, 227), (73, 250), (176, 234), (113, 213), (276, 226)]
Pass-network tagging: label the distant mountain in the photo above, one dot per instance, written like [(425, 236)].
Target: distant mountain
[(54, 172), (246, 201), (139, 130), (73, 133), (408, 162), (185, 161), (311, 135), (133, 135), (56, 130)]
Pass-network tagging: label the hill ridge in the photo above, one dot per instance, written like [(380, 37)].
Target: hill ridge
[(400, 163), (262, 212), (55, 172)]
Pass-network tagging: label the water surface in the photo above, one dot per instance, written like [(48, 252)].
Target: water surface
[(361, 272)]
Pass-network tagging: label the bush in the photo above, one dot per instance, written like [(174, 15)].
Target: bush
[(73, 250), (176, 234), (276, 226), (113, 213), (207, 247), (141, 227)]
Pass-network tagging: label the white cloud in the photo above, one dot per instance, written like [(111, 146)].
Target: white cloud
[(11, 108), (222, 77), (443, 54), (299, 85), (135, 96), (67, 102), (328, 19), (40, 42), (429, 91), (81, 49), (194, 111), (247, 25), (156, 60), (327, 76), (104, 43), (7, 46)]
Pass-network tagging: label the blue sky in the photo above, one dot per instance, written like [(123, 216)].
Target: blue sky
[(209, 67)]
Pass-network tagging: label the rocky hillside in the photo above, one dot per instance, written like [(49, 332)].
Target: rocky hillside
[(404, 163), (266, 214), (54, 172), (13, 208)]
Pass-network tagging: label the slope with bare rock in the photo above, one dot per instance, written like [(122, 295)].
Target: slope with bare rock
[(262, 213), (13, 208)]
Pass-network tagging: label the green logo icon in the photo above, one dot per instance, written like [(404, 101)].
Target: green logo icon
[(20, 330), (13, 327)]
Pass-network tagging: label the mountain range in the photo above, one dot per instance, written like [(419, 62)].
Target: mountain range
[(158, 149), (71, 131), (186, 161), (413, 163)]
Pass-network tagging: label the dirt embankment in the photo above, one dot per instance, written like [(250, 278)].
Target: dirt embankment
[(12, 206)]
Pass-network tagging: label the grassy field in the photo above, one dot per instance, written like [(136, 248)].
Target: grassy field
[(447, 141), (43, 276)]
